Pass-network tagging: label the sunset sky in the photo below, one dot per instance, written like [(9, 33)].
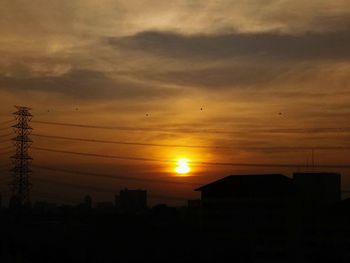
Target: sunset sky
[(244, 81)]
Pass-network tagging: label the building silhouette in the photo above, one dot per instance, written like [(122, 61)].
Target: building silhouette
[(132, 201), (274, 218), (105, 207), (255, 212), (241, 198), (239, 218), (88, 202), (318, 189)]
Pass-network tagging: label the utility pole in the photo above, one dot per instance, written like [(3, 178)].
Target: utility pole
[(20, 185)]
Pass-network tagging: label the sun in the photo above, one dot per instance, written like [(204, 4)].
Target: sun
[(182, 166)]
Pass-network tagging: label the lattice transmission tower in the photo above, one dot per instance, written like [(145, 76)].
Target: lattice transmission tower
[(20, 185)]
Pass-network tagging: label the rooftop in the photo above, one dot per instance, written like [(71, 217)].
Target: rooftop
[(250, 184)]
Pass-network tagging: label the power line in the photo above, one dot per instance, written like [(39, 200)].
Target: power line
[(127, 128), (5, 128), (5, 141), (344, 166), (5, 135), (101, 175), (124, 128), (6, 148), (98, 189), (126, 143), (100, 155), (337, 166), (274, 148), (273, 130), (6, 122), (6, 153)]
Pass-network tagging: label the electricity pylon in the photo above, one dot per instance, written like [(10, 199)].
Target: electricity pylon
[(21, 160)]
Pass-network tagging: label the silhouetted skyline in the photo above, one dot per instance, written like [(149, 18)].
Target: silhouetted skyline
[(49, 175), (244, 218), (129, 106), (239, 82)]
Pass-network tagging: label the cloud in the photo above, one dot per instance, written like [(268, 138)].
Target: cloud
[(120, 17), (231, 76), (240, 60), (326, 45), (227, 43), (85, 85)]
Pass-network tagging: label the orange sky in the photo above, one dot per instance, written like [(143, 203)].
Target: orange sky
[(243, 76)]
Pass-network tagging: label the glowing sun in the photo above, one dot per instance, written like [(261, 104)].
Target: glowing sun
[(182, 166)]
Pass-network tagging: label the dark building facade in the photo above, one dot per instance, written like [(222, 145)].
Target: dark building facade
[(318, 189), (256, 212), (132, 201), (274, 218), (236, 197)]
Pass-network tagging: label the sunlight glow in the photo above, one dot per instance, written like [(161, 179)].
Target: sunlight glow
[(182, 166)]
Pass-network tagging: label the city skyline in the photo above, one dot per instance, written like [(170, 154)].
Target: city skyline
[(241, 82)]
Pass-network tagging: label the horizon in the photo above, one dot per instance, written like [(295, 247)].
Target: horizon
[(144, 95)]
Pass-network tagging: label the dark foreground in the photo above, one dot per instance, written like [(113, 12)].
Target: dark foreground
[(168, 235)]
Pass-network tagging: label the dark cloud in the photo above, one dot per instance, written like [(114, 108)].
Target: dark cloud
[(323, 45), (84, 84), (231, 76), (244, 59)]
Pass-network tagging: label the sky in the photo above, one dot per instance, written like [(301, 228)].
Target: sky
[(244, 81)]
